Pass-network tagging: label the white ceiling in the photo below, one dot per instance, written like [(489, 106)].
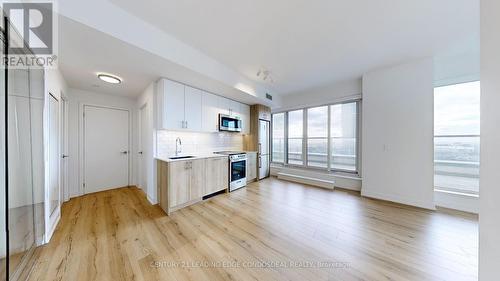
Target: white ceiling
[(310, 43), (84, 52)]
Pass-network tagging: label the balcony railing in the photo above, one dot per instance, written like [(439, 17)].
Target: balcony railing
[(339, 161), (456, 164)]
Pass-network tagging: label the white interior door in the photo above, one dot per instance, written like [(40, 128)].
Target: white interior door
[(106, 148), (64, 151), (143, 149)]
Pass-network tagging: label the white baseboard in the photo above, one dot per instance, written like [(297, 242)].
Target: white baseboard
[(344, 181), (51, 230), (397, 199), (151, 201), (461, 202), (328, 184)]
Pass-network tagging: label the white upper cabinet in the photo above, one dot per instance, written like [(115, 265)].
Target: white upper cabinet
[(234, 108), (224, 106), (228, 106), (210, 113), (179, 106), (170, 102), (192, 109), (182, 107)]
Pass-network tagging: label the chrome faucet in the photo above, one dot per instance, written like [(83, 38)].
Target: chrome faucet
[(178, 146)]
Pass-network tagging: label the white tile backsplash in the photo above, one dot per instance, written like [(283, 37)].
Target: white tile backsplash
[(197, 143)]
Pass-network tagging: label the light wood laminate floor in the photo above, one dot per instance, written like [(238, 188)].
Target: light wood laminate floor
[(271, 230)]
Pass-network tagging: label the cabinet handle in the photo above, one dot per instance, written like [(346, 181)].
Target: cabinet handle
[(260, 148), (186, 124), (260, 162)]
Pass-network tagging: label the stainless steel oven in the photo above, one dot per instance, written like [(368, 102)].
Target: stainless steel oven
[(237, 171)]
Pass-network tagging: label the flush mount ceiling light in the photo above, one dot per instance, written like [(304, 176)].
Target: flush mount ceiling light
[(109, 78)]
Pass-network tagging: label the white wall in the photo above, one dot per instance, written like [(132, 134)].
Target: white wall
[(197, 143), (457, 69), (397, 131), (489, 189), (77, 98), (457, 201), (332, 93)]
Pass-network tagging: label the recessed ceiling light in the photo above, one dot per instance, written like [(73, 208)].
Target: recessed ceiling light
[(109, 78)]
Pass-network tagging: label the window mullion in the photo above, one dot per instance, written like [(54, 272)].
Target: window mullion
[(285, 141), (329, 140), (358, 133), (304, 138)]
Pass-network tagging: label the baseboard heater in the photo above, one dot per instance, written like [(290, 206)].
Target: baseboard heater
[(329, 184)]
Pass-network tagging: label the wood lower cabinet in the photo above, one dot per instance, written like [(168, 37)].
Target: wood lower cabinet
[(251, 166), (217, 172), (196, 179), (180, 183), (183, 183)]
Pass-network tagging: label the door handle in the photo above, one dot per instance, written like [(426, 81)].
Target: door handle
[(140, 152), (65, 156), (124, 152)]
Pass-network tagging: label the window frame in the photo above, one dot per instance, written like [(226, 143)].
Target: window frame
[(285, 139), (443, 188), (304, 128), (305, 159)]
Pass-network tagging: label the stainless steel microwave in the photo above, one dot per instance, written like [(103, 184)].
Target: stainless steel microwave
[(229, 123)]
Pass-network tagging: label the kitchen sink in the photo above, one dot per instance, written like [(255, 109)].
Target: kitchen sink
[(181, 157)]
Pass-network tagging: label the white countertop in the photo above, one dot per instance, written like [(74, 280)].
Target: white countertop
[(196, 156)]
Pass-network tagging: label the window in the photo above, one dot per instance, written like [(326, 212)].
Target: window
[(295, 137), (278, 144), (457, 138), (343, 136), (317, 137), (323, 137)]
